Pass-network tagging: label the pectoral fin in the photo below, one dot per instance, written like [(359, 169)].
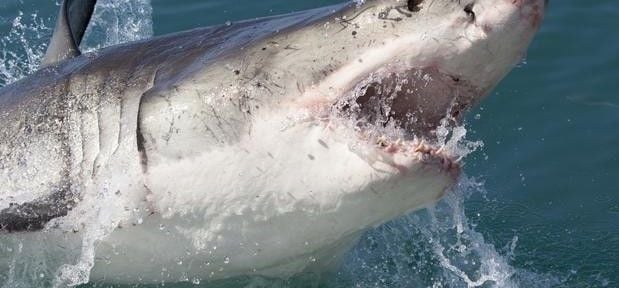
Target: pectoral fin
[(33, 216), (72, 22)]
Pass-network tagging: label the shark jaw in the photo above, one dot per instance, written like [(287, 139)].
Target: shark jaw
[(395, 115)]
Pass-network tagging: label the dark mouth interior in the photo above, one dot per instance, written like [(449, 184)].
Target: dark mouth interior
[(415, 101)]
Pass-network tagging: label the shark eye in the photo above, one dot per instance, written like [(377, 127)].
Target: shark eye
[(413, 5), (468, 9)]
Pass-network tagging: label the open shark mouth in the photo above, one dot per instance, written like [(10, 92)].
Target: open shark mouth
[(415, 101), (400, 112)]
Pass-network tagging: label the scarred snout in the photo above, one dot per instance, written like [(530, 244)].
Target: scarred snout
[(531, 10)]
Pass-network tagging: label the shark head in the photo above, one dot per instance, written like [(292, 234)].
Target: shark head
[(391, 75), (416, 63), (388, 76), (333, 120)]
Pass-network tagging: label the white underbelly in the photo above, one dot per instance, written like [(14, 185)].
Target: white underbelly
[(275, 204)]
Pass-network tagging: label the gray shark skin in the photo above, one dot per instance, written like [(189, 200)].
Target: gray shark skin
[(292, 133), (42, 108)]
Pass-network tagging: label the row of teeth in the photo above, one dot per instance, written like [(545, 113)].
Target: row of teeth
[(384, 142), (417, 146), (420, 145), (422, 148)]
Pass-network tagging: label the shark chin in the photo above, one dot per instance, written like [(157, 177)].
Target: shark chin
[(261, 148)]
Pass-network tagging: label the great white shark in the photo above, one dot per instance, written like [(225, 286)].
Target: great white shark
[(263, 147)]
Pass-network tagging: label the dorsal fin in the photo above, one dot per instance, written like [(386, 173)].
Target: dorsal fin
[(72, 22)]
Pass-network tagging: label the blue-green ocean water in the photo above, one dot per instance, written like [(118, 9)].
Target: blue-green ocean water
[(542, 195)]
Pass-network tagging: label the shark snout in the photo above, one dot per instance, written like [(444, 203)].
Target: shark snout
[(532, 10)]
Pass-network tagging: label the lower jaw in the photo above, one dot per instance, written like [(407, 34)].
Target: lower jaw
[(429, 154)]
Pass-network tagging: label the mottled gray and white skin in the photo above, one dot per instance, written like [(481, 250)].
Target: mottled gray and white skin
[(263, 147)]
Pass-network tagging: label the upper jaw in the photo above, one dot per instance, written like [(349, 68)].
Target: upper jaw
[(407, 103), (414, 100)]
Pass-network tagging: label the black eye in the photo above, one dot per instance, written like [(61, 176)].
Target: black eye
[(413, 5), (468, 9)]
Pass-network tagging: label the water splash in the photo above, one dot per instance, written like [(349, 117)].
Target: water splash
[(359, 2), (32, 263), (464, 255), (118, 21), (453, 141), (114, 22), (24, 47), (437, 247), (101, 217)]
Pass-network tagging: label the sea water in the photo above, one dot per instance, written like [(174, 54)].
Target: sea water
[(539, 204)]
